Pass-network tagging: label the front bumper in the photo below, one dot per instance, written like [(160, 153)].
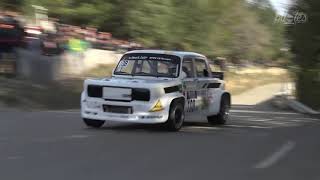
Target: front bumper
[(140, 113), (146, 118)]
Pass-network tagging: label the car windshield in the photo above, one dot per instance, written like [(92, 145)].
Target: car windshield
[(147, 64)]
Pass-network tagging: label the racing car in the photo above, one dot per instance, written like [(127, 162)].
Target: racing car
[(157, 87)]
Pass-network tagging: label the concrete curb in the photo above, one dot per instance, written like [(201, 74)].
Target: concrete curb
[(298, 106), (284, 101)]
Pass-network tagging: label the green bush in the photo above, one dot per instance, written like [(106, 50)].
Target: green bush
[(308, 88)]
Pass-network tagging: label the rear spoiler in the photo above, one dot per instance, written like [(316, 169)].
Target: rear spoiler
[(219, 75)]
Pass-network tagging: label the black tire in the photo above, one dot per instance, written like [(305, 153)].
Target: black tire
[(223, 116), (176, 116), (93, 123)]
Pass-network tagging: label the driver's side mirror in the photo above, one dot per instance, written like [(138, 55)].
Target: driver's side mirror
[(205, 73)]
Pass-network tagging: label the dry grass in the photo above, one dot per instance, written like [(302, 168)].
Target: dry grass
[(238, 82), (100, 71), (23, 94)]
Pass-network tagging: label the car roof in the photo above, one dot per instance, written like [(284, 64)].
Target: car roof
[(176, 53)]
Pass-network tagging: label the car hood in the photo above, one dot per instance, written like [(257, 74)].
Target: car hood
[(134, 82)]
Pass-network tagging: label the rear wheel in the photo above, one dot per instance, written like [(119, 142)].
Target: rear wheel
[(93, 123), (223, 116), (176, 117)]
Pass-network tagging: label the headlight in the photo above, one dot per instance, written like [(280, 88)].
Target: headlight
[(157, 107)]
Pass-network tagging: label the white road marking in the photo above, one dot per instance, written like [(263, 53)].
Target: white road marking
[(309, 119), (64, 112), (247, 126), (276, 156), (263, 112), (77, 136), (14, 157), (259, 120), (201, 127), (241, 116), (306, 120), (297, 120), (282, 123)]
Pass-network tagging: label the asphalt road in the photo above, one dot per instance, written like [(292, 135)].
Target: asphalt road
[(258, 143)]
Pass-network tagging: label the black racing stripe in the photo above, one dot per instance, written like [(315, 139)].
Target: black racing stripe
[(214, 85), (172, 89), (94, 91), (140, 94)]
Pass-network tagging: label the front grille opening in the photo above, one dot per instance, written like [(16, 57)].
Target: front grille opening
[(118, 109)]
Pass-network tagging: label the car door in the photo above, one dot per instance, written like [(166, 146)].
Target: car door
[(189, 87), (202, 76)]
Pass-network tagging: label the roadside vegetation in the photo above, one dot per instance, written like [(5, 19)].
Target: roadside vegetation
[(305, 42), (238, 31), (65, 94), (23, 94)]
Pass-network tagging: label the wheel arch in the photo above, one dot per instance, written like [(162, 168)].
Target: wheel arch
[(226, 95), (180, 99)]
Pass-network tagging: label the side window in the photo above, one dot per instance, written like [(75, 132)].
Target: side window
[(200, 66), (187, 67), (125, 66)]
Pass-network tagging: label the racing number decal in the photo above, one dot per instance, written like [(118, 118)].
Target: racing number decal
[(191, 100), (191, 105), (192, 96)]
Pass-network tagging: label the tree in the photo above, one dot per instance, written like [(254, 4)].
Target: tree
[(234, 29), (266, 16), (305, 43), (15, 5)]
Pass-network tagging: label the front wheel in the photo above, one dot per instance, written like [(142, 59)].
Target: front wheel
[(223, 116), (93, 123), (176, 117)]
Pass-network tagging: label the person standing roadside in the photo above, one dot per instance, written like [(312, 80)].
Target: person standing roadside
[(77, 47)]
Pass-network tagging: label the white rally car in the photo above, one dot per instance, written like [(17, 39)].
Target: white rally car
[(154, 86)]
